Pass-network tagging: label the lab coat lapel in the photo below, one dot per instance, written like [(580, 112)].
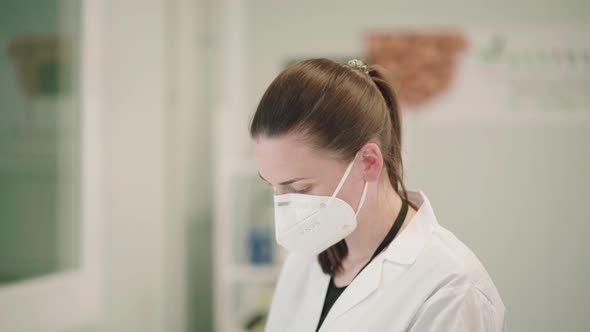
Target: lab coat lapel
[(362, 286), (315, 294)]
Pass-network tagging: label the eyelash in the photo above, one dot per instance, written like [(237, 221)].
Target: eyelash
[(303, 191)]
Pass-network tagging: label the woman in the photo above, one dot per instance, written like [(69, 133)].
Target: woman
[(365, 253)]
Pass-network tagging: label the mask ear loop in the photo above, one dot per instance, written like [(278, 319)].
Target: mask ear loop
[(348, 169), (362, 201)]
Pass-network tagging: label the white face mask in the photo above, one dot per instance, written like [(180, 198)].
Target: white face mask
[(309, 224)]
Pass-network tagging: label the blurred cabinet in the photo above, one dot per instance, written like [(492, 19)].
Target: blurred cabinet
[(49, 200)]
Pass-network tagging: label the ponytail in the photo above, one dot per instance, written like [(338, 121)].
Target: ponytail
[(392, 149)]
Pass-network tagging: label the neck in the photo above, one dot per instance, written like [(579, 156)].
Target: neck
[(375, 219)]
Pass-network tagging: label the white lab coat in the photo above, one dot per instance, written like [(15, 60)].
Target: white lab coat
[(425, 281)]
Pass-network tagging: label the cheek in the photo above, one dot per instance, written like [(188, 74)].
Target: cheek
[(352, 190)]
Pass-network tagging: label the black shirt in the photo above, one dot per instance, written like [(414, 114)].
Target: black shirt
[(334, 292)]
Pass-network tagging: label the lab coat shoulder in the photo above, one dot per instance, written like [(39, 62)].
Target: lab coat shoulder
[(459, 266), (465, 309), (462, 295)]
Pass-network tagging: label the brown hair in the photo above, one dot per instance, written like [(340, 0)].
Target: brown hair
[(339, 109)]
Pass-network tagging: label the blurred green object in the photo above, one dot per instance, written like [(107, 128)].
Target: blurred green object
[(48, 74), (39, 141), (256, 322)]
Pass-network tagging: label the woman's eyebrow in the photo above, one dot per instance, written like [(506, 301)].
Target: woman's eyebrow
[(286, 183)]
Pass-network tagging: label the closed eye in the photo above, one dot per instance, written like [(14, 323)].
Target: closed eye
[(302, 191), (285, 183)]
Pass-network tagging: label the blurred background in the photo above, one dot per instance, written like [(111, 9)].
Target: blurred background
[(129, 200)]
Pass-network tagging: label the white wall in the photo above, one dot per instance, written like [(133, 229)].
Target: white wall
[(157, 241), (516, 196), (144, 244), (135, 85)]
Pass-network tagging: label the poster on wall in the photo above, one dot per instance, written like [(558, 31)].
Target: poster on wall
[(535, 77)]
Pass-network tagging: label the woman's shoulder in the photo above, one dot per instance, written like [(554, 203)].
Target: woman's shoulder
[(453, 265)]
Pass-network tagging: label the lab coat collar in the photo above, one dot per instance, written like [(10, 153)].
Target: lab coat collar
[(311, 307), (409, 243), (403, 250), (363, 285)]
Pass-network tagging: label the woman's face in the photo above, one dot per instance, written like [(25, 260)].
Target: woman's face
[(290, 165)]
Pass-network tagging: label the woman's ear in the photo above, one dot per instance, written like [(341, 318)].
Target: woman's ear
[(372, 161)]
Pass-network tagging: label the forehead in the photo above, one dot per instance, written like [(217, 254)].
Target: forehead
[(286, 157)]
